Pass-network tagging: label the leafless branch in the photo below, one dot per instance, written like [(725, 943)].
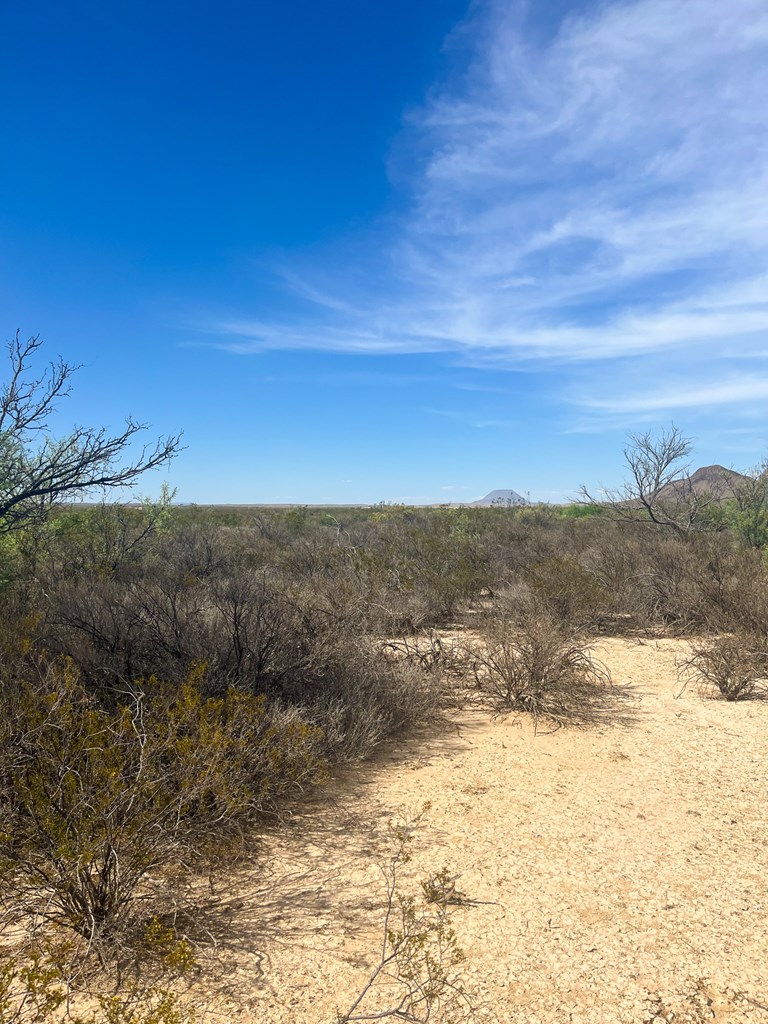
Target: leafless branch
[(659, 490), (35, 477)]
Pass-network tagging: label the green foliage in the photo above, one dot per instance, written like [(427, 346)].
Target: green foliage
[(35, 990), (103, 803), (297, 519), (102, 539), (579, 510), (427, 564), (8, 560), (746, 518), (150, 1007), (417, 976), (160, 942), (31, 990)]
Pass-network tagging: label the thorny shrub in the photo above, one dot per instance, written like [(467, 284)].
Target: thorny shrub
[(733, 666), (536, 665)]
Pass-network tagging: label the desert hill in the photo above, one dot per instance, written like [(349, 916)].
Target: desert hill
[(505, 496), (715, 481)]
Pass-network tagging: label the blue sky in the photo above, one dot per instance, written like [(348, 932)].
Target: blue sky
[(393, 251)]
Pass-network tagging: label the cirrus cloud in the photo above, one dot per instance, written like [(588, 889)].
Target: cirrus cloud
[(597, 195)]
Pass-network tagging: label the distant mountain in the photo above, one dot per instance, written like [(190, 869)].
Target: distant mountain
[(715, 481), (502, 497)]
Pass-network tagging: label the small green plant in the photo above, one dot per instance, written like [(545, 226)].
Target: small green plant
[(160, 942), (31, 990), (440, 889), (151, 1006), (34, 990), (417, 976)]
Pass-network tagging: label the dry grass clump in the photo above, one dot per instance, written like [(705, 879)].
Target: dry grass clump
[(734, 666), (535, 664)]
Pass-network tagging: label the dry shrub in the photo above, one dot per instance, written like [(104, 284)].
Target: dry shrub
[(536, 665), (733, 666), (305, 647), (734, 584), (446, 661), (429, 651), (568, 590), (360, 696), (666, 584), (687, 585)]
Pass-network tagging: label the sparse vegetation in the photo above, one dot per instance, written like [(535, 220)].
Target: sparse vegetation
[(37, 989), (417, 977), (532, 663), (734, 667), (173, 679)]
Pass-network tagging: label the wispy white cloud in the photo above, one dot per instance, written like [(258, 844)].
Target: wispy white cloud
[(599, 195), (668, 398)]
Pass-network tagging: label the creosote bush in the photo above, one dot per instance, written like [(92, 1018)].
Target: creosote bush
[(105, 806), (36, 990), (50, 977)]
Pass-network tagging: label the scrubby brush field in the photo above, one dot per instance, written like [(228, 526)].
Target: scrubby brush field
[(421, 764)]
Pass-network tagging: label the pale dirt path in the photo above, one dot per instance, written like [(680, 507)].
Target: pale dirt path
[(626, 866)]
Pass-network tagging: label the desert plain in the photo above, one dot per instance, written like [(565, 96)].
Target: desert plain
[(613, 874)]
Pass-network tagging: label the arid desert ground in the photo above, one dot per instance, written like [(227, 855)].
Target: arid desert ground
[(609, 874)]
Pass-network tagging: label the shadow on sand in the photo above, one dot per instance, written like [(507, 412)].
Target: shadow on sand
[(315, 881)]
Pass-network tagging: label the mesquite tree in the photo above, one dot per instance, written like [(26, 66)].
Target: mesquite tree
[(659, 488), (38, 470)]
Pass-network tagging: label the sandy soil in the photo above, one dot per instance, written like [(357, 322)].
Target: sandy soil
[(619, 873)]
